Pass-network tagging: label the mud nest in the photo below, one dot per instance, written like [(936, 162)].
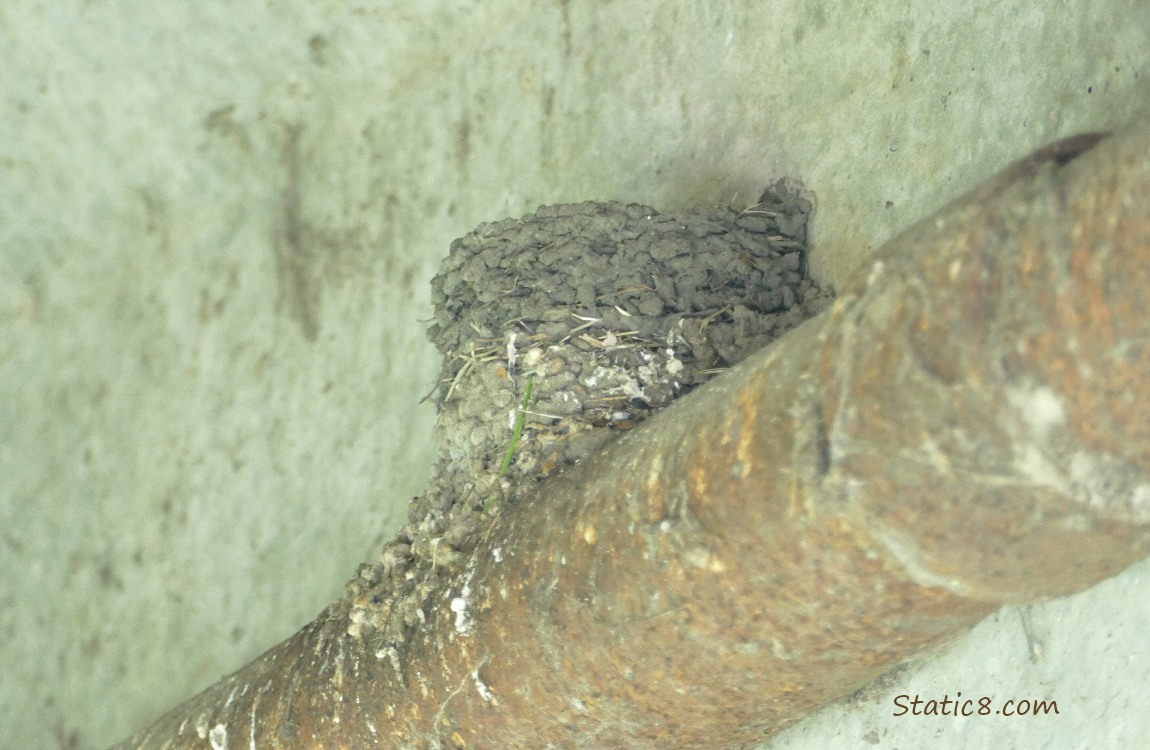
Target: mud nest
[(559, 330)]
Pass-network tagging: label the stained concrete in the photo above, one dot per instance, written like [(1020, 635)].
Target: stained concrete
[(217, 226)]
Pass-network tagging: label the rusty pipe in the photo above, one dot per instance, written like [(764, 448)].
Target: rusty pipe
[(968, 425)]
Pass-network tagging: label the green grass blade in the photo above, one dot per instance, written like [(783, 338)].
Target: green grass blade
[(518, 427)]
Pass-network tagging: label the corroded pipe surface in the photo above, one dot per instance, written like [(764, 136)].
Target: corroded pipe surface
[(968, 425)]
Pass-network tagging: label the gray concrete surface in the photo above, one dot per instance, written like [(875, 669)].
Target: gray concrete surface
[(217, 225)]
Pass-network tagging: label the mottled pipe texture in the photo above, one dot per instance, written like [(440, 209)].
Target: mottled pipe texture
[(968, 425)]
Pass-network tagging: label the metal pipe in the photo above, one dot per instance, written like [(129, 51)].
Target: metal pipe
[(969, 425)]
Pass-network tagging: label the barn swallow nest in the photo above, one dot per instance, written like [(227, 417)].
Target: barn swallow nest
[(611, 311)]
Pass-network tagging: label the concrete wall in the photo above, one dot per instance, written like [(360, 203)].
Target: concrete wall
[(217, 225)]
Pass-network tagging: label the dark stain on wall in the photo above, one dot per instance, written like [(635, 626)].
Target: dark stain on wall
[(293, 261)]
